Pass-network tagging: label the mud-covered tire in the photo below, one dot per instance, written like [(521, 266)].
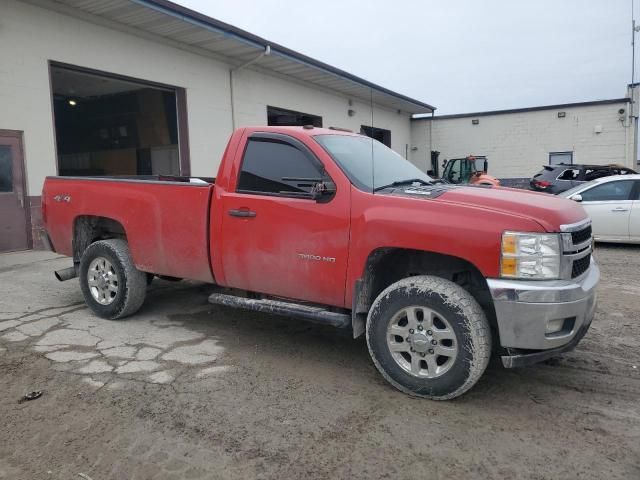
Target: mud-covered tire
[(131, 285), (446, 300)]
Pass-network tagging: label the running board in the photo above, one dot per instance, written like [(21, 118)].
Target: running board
[(278, 307)]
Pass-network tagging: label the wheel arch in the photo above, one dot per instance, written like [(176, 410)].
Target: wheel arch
[(88, 229), (387, 265)]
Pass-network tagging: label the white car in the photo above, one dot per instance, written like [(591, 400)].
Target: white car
[(613, 203)]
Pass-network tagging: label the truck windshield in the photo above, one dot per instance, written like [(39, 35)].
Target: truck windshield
[(368, 163)]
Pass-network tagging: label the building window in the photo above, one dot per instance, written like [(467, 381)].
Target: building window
[(274, 167), (380, 134), (280, 117), (561, 158), (110, 125)]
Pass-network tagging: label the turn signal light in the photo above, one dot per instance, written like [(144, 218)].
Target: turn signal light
[(509, 267), (509, 244), (534, 256)]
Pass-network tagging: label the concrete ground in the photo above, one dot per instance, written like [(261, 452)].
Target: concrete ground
[(188, 390)]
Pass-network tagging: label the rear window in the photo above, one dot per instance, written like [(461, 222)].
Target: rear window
[(548, 173)]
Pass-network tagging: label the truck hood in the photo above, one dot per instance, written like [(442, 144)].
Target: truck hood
[(547, 210)]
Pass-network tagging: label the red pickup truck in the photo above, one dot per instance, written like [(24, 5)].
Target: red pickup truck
[(336, 228)]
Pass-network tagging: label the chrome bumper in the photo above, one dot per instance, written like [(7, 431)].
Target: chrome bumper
[(525, 309)]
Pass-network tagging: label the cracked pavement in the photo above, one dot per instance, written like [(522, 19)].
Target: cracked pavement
[(184, 389), (149, 348)]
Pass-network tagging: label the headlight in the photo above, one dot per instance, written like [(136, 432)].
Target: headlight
[(533, 256)]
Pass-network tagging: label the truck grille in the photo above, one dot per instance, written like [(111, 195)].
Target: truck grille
[(581, 236), (580, 266), (577, 251)]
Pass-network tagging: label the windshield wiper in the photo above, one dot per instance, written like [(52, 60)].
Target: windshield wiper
[(398, 183)]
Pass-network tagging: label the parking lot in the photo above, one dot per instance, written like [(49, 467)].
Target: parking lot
[(188, 390)]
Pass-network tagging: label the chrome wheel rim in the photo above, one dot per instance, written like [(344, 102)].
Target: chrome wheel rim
[(422, 342), (103, 281)]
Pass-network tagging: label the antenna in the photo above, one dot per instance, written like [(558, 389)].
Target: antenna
[(634, 29)]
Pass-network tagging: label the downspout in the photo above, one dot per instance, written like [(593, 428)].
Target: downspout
[(265, 52), (630, 124), (626, 133), (634, 133), (434, 168), (633, 112)]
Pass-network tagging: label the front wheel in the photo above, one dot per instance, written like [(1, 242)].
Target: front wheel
[(429, 337), (111, 284)]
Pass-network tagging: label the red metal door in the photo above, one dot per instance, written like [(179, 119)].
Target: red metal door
[(289, 247), (13, 207), (274, 243)]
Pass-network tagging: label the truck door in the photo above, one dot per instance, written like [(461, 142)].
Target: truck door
[(275, 238)]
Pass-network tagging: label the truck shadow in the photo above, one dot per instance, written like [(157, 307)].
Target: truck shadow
[(322, 357)]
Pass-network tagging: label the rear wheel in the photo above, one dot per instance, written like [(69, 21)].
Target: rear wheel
[(111, 284), (429, 337)]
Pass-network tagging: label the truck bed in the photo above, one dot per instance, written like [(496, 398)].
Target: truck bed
[(165, 218)]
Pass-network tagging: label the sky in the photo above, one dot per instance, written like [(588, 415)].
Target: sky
[(458, 55)]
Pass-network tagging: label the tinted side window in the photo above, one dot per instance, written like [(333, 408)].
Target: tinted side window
[(267, 165), (609, 191), (592, 174), (570, 174)]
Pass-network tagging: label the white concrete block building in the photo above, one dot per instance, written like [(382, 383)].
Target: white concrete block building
[(518, 142), (146, 87)]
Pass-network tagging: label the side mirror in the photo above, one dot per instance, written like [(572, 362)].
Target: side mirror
[(323, 191), (485, 167), (576, 198)]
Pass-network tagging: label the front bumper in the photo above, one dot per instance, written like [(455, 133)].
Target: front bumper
[(526, 309)]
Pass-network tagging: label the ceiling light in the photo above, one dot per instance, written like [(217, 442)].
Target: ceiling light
[(73, 103)]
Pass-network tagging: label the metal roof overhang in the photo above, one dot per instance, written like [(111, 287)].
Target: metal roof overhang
[(179, 24)]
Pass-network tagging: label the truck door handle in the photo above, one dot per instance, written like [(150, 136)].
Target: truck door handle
[(620, 209), (242, 213)]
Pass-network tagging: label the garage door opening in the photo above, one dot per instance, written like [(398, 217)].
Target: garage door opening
[(107, 125), (380, 134), (282, 117)]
